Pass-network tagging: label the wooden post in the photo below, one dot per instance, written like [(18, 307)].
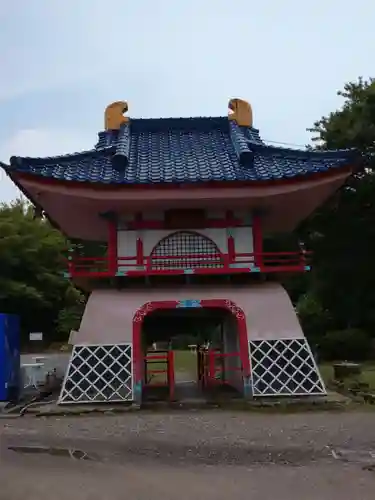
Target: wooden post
[(211, 365), (111, 219), (231, 248), (171, 378), (71, 262), (139, 249)]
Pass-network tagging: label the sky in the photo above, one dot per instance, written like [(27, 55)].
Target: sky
[(62, 63)]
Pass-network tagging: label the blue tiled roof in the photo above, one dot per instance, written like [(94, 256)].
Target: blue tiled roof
[(181, 150)]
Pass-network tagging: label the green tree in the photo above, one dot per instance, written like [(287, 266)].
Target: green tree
[(353, 125), (342, 233), (31, 271)]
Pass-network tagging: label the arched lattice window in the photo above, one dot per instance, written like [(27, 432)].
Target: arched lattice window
[(185, 250)]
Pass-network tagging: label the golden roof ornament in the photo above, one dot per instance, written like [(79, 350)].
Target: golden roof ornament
[(241, 112), (114, 115)]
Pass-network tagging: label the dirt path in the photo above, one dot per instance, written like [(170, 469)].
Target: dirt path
[(190, 454)]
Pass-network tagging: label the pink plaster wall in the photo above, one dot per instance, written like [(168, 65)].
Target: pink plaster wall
[(64, 202), (109, 313)]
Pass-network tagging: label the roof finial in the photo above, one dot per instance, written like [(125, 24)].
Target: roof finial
[(114, 115), (241, 113)]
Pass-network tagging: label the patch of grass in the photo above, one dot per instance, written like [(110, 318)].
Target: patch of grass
[(156, 378), (326, 371), (185, 362), (367, 376), (54, 348)]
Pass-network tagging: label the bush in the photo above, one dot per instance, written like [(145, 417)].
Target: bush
[(345, 345), (312, 316)]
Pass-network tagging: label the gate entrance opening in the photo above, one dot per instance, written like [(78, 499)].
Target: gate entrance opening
[(191, 352)]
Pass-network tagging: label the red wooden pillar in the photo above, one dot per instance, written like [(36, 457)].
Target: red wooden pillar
[(257, 240), (112, 246), (231, 250), (139, 249), (231, 247)]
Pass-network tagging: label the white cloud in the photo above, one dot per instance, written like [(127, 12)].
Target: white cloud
[(8, 191), (174, 59), (38, 142), (86, 43)]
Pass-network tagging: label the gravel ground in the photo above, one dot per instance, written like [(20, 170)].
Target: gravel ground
[(213, 454)]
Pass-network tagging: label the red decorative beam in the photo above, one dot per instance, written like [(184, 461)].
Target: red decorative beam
[(138, 224)]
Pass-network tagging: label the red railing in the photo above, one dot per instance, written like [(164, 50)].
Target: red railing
[(151, 376), (212, 369), (185, 264)]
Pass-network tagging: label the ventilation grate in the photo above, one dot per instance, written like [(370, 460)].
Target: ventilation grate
[(284, 367), (99, 373)]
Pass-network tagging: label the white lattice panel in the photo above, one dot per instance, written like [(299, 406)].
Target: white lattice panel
[(284, 367), (99, 373)]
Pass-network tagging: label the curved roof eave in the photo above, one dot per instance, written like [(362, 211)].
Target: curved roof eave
[(32, 199), (303, 178), (18, 161), (107, 177), (349, 154), (305, 153)]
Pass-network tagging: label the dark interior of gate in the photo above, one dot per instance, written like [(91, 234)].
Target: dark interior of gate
[(191, 353)]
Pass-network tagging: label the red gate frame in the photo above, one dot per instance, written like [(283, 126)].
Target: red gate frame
[(149, 307)]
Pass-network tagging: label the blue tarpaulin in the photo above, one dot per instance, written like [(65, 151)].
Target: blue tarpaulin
[(9, 356)]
